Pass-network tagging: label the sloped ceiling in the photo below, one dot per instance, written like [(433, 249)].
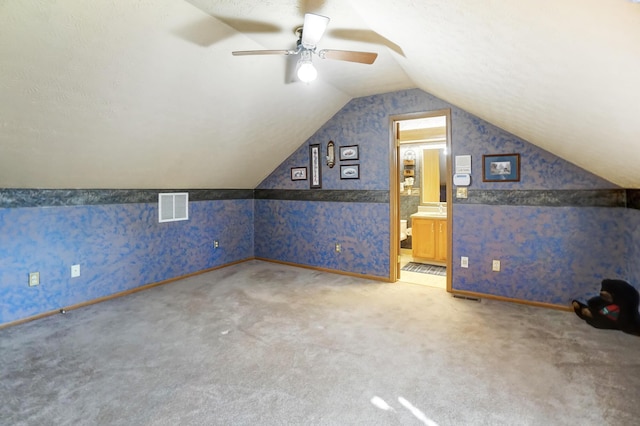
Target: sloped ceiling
[(146, 93)]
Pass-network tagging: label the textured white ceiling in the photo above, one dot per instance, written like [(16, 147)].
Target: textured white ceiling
[(560, 74), (146, 94)]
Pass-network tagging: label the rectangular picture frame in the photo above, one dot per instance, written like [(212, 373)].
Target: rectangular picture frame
[(315, 166), (349, 153), (501, 168), (350, 171), (298, 173)]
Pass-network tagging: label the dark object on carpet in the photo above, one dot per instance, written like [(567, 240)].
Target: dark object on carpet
[(425, 269), (615, 308)]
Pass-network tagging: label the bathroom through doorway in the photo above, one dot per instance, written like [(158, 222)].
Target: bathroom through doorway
[(421, 198)]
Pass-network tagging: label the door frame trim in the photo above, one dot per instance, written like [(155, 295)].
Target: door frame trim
[(394, 191)]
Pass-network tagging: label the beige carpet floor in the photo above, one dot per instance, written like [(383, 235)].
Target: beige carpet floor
[(262, 343)]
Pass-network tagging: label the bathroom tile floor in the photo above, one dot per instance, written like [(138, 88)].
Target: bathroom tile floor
[(419, 278)]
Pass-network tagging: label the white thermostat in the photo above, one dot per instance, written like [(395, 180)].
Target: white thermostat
[(461, 179)]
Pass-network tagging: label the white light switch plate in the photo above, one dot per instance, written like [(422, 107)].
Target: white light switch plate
[(75, 271)]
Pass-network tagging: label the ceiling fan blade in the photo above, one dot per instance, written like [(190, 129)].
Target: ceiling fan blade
[(310, 6), (367, 36), (249, 26), (348, 55), (263, 52), (204, 32), (313, 29)]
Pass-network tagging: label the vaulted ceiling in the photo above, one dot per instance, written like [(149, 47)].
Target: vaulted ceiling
[(146, 93)]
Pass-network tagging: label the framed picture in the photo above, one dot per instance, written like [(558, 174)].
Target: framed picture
[(349, 152), (501, 168), (351, 171), (314, 165), (298, 173)]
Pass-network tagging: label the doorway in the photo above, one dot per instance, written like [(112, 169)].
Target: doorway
[(421, 195)]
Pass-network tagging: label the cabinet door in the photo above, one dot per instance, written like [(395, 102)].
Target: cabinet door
[(423, 238), (441, 240)]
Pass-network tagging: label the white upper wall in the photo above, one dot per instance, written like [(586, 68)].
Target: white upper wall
[(146, 94)]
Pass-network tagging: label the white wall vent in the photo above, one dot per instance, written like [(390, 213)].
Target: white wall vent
[(173, 207)]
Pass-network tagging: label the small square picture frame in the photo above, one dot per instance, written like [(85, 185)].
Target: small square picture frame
[(501, 168), (349, 153), (298, 173), (350, 171)]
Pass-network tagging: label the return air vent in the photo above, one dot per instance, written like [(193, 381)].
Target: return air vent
[(173, 207)]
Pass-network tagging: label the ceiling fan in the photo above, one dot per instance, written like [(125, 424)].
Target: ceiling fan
[(308, 37)]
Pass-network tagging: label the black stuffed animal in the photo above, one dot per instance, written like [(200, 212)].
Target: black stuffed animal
[(615, 308)]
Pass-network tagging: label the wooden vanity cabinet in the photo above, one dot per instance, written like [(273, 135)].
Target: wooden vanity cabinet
[(441, 240), (423, 237), (429, 238)]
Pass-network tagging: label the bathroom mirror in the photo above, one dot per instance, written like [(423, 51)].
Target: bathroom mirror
[(424, 173), (434, 175), (423, 156)]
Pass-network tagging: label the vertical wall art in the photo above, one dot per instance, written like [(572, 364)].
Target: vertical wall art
[(331, 154), (314, 165)]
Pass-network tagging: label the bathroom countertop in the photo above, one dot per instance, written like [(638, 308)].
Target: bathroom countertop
[(430, 215), (431, 211)]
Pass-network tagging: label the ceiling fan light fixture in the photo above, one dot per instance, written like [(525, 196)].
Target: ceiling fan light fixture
[(306, 71), (308, 37), (313, 29)]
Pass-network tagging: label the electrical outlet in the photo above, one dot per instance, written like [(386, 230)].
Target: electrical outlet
[(338, 247), (34, 279), (496, 266), (75, 271), (464, 262), (216, 244)]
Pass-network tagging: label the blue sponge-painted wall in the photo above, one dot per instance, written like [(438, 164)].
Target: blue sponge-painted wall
[(551, 251), (632, 241), (118, 247), (306, 233), (547, 254)]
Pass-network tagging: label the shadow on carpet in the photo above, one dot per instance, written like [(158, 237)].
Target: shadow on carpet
[(425, 269)]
